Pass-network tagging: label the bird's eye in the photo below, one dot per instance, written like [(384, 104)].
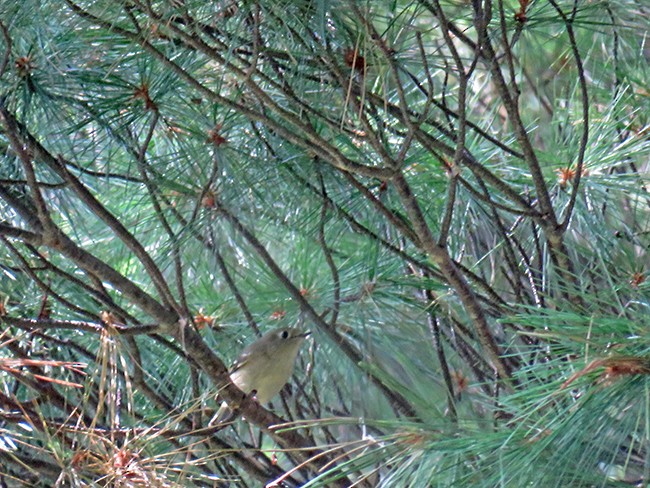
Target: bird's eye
[(284, 334)]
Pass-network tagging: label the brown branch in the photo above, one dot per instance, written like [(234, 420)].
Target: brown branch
[(26, 212), (584, 139), (114, 224), (481, 20), (334, 271), (7, 55), (398, 222), (47, 290), (94, 327), (12, 132), (441, 257), (183, 309), (100, 295), (23, 235), (166, 318), (243, 306), (434, 328), (41, 184)]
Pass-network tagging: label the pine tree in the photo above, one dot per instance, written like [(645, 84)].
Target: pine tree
[(451, 196)]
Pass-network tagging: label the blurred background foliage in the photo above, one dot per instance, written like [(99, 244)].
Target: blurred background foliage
[(452, 196)]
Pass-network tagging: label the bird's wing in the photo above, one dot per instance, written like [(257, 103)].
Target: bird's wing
[(239, 362)]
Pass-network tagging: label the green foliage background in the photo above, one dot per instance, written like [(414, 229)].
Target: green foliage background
[(452, 196)]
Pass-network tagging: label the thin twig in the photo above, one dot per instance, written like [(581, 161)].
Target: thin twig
[(584, 139)]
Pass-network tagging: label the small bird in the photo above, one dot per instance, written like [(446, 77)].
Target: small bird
[(265, 366)]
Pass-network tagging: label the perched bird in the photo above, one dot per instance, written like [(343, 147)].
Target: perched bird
[(265, 366)]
